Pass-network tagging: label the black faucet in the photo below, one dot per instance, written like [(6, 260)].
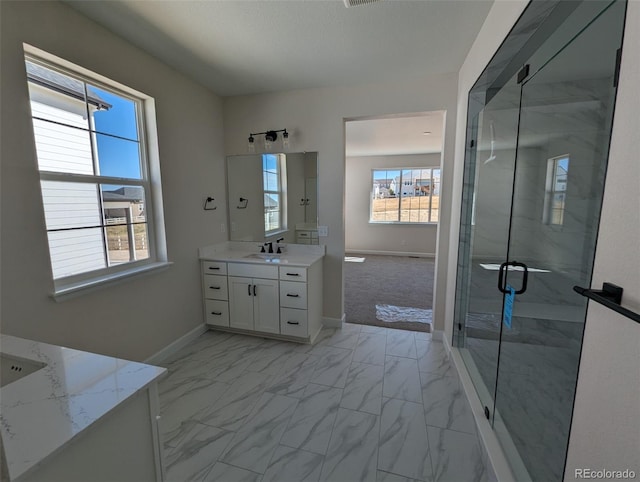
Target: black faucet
[(270, 244), (278, 241)]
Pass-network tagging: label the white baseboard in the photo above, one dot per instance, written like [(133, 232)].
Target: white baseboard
[(389, 253), (438, 335), (333, 322), (173, 347)]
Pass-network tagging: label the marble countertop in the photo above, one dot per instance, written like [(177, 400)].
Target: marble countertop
[(237, 252), (43, 411)]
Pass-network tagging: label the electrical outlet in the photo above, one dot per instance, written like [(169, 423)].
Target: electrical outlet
[(323, 231)]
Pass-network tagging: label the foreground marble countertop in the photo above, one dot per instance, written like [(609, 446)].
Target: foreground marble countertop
[(43, 411), (237, 252)]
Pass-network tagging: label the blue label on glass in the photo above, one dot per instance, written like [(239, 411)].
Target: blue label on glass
[(508, 306)]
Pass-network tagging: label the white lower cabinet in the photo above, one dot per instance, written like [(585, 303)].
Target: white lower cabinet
[(253, 304), (283, 301)]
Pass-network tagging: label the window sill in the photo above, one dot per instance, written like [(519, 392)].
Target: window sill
[(78, 289)]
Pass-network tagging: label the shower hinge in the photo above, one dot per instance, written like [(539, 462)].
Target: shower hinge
[(524, 72), (459, 326), (472, 143), (616, 75), (486, 412)]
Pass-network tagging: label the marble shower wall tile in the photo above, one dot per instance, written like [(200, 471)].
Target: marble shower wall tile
[(447, 447), (401, 379), (254, 444), (363, 390), (445, 404), (353, 448), (288, 464), (311, 424), (403, 446), (370, 349)]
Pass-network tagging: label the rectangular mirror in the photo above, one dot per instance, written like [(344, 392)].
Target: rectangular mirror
[(273, 196)]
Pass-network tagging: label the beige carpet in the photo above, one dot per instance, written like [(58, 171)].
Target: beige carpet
[(388, 287)]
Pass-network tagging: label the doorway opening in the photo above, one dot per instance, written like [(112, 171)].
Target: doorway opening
[(393, 171)]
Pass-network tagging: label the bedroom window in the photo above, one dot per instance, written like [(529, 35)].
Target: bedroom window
[(406, 195)]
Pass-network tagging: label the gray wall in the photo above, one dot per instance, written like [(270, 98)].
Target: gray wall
[(140, 316), (362, 236)]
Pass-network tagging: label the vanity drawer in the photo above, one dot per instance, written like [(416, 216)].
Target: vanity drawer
[(293, 295), (214, 267), (217, 312), (215, 287), (293, 322), (253, 271), (293, 274)]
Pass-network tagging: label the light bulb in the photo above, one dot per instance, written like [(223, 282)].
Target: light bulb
[(285, 140), (251, 146), (267, 143)]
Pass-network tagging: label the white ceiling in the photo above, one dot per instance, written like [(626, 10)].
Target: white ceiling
[(238, 47), (395, 135)]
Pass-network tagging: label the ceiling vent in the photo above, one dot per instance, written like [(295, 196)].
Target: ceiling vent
[(357, 3)]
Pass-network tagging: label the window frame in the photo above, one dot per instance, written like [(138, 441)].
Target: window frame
[(149, 177), (401, 169)]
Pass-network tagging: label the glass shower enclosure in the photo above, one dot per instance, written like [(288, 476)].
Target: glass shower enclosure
[(538, 131)]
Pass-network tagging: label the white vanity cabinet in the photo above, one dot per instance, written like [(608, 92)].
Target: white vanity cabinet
[(253, 304), (268, 299), (216, 293)]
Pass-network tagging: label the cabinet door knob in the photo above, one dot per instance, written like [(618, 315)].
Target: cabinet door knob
[(254, 290), (293, 296), (249, 290), (293, 274), (217, 313), (293, 323), (214, 287), (214, 267)]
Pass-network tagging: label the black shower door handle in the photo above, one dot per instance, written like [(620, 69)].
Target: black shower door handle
[(501, 276)]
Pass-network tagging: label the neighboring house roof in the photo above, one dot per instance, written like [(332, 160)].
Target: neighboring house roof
[(65, 85), (125, 193), (270, 202)]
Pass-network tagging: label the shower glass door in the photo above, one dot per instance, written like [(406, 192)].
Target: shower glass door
[(566, 107), (488, 187), (534, 177)]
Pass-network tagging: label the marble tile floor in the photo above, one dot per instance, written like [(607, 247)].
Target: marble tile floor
[(364, 403)]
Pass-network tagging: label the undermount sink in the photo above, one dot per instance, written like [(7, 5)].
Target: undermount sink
[(14, 368), (267, 257)]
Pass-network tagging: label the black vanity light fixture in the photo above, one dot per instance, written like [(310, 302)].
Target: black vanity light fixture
[(269, 138)]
